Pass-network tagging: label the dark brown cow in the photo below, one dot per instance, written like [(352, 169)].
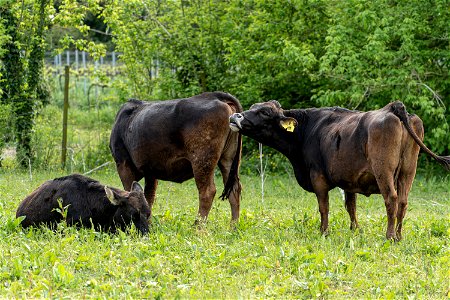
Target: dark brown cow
[(361, 152), (88, 203), (176, 140)]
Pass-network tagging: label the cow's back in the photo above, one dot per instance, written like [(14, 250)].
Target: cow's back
[(78, 195), (123, 118), (39, 207)]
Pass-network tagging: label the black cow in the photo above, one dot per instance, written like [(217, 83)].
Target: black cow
[(88, 202), (361, 152), (176, 140)]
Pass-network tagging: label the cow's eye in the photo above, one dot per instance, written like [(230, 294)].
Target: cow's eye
[(265, 113)]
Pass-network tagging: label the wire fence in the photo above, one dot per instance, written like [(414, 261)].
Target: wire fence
[(93, 104), (79, 60)]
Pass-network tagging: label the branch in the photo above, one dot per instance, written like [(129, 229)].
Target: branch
[(157, 21), (97, 168), (101, 32), (436, 95)]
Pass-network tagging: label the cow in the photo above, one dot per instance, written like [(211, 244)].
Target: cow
[(180, 139), (87, 202), (372, 152)]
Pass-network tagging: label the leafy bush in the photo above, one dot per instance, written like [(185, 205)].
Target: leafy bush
[(358, 54), (6, 123)]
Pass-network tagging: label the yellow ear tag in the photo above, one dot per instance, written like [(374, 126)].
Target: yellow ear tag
[(288, 125)]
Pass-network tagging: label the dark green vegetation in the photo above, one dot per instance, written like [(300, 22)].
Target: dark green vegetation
[(276, 250), (358, 54)]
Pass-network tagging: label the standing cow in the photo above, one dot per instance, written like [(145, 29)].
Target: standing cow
[(361, 152), (88, 202), (176, 140)]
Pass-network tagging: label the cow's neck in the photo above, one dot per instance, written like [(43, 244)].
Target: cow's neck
[(294, 148)]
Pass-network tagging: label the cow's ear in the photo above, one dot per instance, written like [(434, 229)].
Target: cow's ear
[(288, 124), (277, 104), (136, 187), (111, 196)]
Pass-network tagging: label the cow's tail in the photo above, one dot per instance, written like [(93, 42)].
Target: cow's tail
[(233, 176), (398, 108)]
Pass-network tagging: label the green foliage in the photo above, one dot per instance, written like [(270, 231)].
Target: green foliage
[(254, 49), (25, 25), (72, 28), (22, 63), (380, 51), (276, 250), (358, 54), (5, 125)]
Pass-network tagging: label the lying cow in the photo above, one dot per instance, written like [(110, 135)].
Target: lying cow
[(361, 152), (176, 140), (88, 202)]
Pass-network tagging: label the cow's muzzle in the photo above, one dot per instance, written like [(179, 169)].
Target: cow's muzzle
[(235, 121)]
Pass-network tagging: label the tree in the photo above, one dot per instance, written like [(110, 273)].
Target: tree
[(22, 65), (12, 70), (26, 24), (358, 54), (181, 40), (254, 49), (273, 49)]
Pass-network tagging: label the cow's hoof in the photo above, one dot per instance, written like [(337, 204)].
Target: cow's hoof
[(392, 237), (354, 226), (325, 232), (233, 225)]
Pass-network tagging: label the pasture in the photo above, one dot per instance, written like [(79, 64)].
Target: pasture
[(276, 250), (355, 54)]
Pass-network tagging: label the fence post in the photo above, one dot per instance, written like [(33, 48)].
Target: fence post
[(113, 55), (84, 71), (65, 112), (76, 59), (68, 57)]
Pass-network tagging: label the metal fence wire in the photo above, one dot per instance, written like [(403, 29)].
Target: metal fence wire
[(93, 105)]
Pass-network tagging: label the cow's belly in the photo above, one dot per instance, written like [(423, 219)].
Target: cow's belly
[(365, 183), (178, 170)]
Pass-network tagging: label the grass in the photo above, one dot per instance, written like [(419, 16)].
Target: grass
[(276, 250)]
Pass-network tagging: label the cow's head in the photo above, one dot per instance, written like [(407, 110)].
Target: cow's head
[(131, 207), (262, 121)]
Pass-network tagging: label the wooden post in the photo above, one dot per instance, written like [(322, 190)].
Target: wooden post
[(65, 112)]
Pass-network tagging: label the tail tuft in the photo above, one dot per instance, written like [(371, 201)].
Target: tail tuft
[(444, 161)]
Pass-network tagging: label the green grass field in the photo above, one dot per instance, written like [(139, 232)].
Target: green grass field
[(276, 250)]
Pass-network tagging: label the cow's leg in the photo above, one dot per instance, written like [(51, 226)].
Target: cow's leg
[(404, 186), (204, 179), (206, 192), (324, 207), (127, 173), (384, 153), (385, 180), (235, 195), (350, 205), (407, 171), (151, 184), (391, 202), (321, 189)]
